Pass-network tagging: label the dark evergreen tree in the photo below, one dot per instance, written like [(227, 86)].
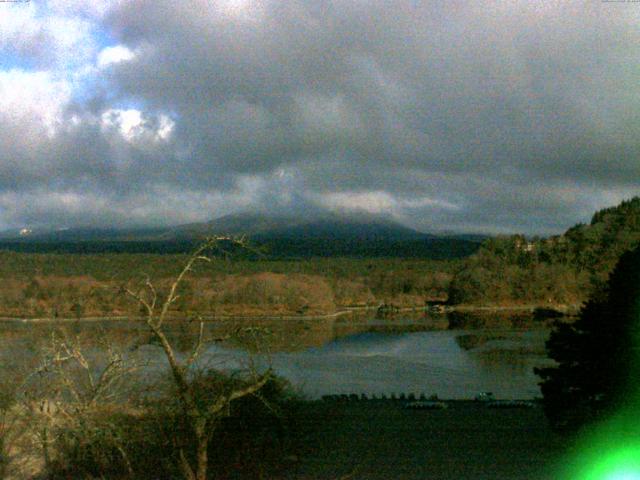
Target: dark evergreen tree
[(597, 356)]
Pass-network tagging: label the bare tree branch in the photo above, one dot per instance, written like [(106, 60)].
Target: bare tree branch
[(200, 418), (148, 307), (196, 256), (224, 400), (198, 347)]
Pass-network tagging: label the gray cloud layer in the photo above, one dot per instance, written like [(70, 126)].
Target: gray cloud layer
[(475, 116)]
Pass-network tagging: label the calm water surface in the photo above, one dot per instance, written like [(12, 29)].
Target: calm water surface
[(427, 362), (336, 356)]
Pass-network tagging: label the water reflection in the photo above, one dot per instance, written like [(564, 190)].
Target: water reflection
[(429, 362), (429, 354)]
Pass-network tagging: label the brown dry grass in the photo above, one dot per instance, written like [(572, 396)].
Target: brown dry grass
[(273, 293), (264, 293), (353, 293)]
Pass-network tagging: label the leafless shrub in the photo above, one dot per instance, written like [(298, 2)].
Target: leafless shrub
[(70, 400)]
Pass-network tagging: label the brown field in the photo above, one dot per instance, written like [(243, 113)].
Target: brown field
[(80, 286)]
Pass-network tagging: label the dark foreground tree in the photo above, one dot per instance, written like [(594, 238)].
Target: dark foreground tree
[(597, 355)]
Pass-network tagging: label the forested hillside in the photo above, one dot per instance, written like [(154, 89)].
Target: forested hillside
[(562, 269)]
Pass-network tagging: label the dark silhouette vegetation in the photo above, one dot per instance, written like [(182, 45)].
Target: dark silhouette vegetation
[(597, 356)]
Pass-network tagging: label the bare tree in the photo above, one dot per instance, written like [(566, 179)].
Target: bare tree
[(201, 415), (73, 388)]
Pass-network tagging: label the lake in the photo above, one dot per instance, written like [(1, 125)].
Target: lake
[(430, 355)]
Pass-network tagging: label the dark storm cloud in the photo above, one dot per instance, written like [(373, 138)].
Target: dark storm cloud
[(492, 116)]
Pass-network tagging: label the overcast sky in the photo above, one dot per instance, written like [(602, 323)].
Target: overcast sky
[(471, 116)]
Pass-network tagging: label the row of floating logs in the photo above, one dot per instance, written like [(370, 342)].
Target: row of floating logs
[(423, 402), (354, 397)]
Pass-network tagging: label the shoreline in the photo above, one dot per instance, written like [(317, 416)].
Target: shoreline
[(564, 310)]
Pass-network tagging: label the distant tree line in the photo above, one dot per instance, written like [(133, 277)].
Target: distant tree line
[(280, 249)]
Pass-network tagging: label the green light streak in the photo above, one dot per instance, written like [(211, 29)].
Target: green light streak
[(619, 465)]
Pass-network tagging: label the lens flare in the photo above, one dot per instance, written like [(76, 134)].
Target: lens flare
[(610, 449), (619, 465)]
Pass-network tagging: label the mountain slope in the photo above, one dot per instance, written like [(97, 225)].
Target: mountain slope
[(280, 236), (336, 227)]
